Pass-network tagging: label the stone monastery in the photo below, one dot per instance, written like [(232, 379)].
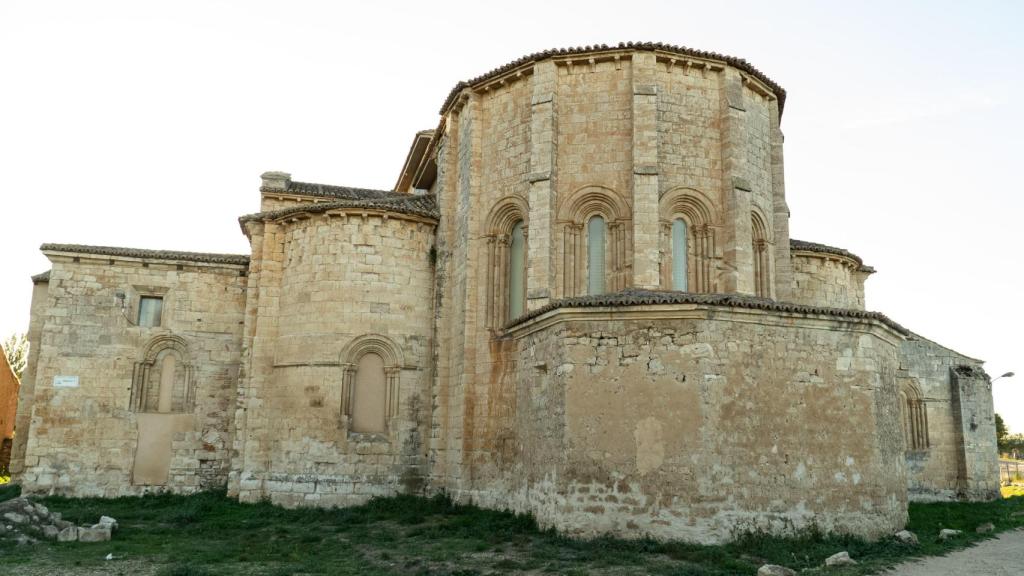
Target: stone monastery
[(580, 301)]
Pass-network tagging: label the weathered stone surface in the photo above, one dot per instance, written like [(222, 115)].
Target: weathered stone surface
[(94, 533), (775, 570), (947, 534), (986, 528), (907, 537), (68, 534), (840, 559), (50, 531), (107, 522), (380, 341)]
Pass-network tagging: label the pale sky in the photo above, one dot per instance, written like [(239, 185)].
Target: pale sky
[(147, 124)]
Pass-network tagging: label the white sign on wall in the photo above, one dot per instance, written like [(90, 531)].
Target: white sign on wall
[(65, 381)]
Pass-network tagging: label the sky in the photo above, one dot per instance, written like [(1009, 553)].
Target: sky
[(147, 124)]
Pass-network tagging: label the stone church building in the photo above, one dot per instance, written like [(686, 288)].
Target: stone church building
[(580, 300)]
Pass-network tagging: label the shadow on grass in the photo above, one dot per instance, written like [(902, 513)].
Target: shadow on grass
[(209, 534)]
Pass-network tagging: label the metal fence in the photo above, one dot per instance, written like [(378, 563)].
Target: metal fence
[(1011, 471)]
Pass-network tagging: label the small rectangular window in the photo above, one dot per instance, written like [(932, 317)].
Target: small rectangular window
[(150, 310)]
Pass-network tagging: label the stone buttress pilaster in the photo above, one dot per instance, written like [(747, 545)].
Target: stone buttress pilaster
[(783, 276), (540, 272), (646, 255), (738, 252)]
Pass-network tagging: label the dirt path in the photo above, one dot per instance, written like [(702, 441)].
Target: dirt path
[(1002, 556)]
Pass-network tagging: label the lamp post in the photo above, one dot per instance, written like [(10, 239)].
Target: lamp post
[(1007, 375)]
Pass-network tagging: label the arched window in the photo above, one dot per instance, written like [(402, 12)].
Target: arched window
[(369, 395), (505, 231), (595, 255), (517, 272), (914, 417), (163, 379), (594, 242), (686, 243), (762, 257), (679, 254), (371, 377)]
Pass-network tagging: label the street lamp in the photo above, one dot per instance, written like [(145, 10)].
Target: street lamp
[(1007, 375)]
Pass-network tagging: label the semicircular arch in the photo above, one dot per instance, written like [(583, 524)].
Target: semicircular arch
[(505, 213), (377, 344), (594, 200), (692, 204)]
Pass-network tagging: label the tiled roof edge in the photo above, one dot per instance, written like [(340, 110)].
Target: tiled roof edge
[(635, 297), (42, 277), (738, 63), (413, 205), (806, 246), (235, 259), (327, 190)]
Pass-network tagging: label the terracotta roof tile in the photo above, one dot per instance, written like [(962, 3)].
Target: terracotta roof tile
[(637, 297), (235, 259), (738, 63), (399, 203), (805, 246)]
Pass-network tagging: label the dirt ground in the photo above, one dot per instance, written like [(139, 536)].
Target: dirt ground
[(1002, 556)]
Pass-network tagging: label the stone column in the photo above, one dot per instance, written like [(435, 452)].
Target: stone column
[(738, 249), (645, 172), (540, 267)]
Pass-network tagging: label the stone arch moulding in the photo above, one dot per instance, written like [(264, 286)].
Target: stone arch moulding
[(573, 214), (394, 362), (498, 233), (701, 217), (143, 369)]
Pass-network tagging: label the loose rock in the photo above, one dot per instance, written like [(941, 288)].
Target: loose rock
[(986, 528), (50, 531), (907, 537), (946, 533), (775, 570), (840, 559), (16, 518), (96, 533), (69, 534), (108, 521)]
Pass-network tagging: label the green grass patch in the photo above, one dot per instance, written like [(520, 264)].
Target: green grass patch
[(211, 535), (8, 491)]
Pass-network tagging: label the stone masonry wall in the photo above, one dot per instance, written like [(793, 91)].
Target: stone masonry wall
[(82, 440), (960, 461), (671, 424), (26, 393), (827, 280), (345, 280)]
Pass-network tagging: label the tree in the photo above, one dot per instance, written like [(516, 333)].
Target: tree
[(16, 349), (1002, 432)]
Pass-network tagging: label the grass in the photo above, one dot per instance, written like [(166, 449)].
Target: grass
[(1010, 491), (211, 535)]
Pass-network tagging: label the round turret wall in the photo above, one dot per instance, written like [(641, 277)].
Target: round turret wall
[(832, 280), (340, 357)]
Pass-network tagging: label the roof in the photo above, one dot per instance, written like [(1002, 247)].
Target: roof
[(738, 63), (804, 246), (399, 203), (637, 297), (40, 278), (204, 257), (328, 191)]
